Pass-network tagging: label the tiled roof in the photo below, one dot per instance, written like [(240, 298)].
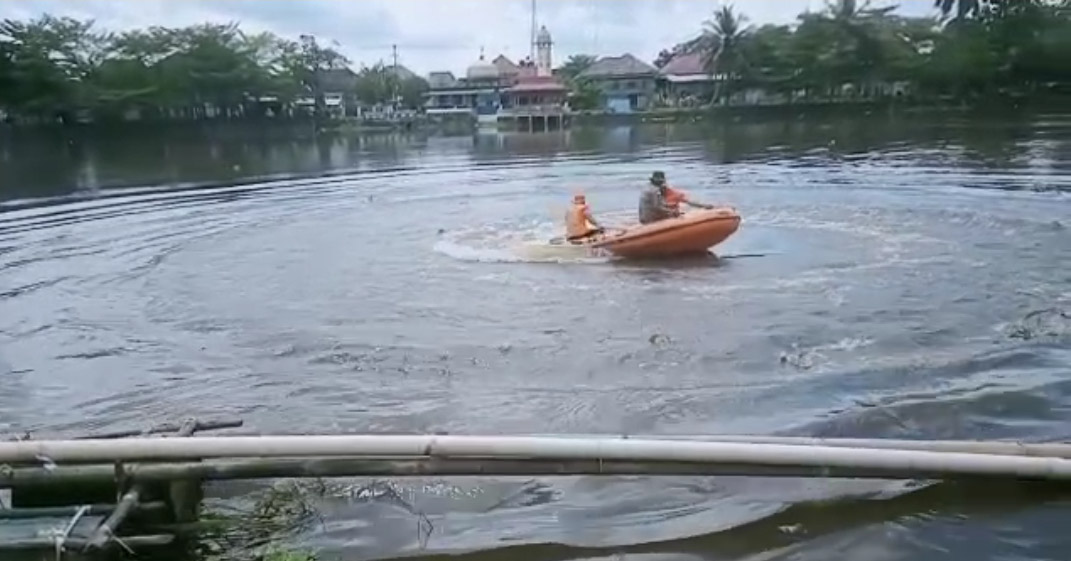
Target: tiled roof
[(624, 65), (403, 73), (442, 79), (505, 65), (337, 79), (538, 84), (684, 64)]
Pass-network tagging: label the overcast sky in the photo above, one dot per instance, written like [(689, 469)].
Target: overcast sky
[(442, 34)]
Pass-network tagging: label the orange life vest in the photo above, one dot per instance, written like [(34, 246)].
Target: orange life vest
[(674, 198), (576, 221)]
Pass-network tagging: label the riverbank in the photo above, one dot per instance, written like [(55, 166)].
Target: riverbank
[(1008, 105)]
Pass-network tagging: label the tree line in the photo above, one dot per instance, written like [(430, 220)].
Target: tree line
[(56, 67), (974, 49)]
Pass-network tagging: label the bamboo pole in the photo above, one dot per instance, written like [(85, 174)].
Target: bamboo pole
[(106, 532), (78, 543), (268, 468), (165, 428), (69, 511), (998, 447), (545, 448)]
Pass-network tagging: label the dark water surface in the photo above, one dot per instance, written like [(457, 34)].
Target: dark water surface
[(894, 277)]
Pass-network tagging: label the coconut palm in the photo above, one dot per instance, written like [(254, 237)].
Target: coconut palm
[(858, 43), (721, 45)]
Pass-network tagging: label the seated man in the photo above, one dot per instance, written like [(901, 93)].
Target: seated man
[(579, 224), (660, 201)]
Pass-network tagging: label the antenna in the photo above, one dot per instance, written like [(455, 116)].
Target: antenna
[(394, 74)]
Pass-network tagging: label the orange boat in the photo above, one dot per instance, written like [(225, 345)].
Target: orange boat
[(692, 233)]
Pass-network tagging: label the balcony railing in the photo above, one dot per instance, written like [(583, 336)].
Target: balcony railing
[(535, 110)]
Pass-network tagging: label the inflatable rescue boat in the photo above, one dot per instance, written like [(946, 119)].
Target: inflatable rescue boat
[(692, 233)]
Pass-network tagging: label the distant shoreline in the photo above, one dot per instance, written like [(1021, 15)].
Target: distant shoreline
[(820, 109), (707, 114)]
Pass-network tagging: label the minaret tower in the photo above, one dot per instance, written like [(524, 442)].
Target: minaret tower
[(544, 60)]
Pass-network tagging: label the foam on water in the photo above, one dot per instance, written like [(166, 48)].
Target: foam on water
[(513, 242)]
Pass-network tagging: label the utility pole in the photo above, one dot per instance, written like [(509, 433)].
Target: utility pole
[(532, 42), (394, 81)]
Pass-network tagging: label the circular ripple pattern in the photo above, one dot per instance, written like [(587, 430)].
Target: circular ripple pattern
[(887, 281)]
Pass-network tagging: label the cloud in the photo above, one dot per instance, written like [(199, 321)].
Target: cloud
[(440, 34)]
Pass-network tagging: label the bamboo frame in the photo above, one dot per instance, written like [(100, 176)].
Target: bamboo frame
[(1028, 461), (105, 533), (69, 511), (998, 447), (267, 468), (80, 543), (212, 424)]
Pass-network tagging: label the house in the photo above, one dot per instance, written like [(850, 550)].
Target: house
[(627, 83), (684, 80), (480, 93), (527, 93), (537, 99), (338, 86), (507, 68)]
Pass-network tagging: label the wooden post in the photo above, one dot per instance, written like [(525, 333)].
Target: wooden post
[(107, 531), (165, 428)]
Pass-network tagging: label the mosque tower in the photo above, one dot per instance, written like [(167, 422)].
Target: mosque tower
[(544, 60)]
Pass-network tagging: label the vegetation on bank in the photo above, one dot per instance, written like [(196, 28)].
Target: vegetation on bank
[(54, 67), (978, 48)]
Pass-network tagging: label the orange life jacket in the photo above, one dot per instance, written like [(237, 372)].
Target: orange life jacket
[(674, 198), (576, 221)]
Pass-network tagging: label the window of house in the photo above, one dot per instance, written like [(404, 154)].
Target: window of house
[(631, 85)]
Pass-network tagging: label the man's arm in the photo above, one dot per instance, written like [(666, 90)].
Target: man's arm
[(692, 203), (595, 223)]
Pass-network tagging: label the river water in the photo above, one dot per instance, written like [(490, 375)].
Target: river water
[(893, 277)]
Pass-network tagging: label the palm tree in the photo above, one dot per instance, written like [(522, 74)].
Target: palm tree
[(721, 45), (859, 45)]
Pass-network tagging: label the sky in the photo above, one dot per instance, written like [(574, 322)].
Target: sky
[(436, 35)]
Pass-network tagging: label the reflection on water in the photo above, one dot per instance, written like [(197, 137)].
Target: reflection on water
[(894, 276), (51, 163)]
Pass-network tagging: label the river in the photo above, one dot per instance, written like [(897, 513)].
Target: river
[(894, 276)]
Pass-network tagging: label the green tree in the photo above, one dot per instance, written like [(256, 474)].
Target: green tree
[(412, 91), (574, 66), (308, 62), (722, 44), (768, 52), (584, 95), (376, 84), (46, 61)]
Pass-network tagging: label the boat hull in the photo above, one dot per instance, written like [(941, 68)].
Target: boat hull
[(693, 233)]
